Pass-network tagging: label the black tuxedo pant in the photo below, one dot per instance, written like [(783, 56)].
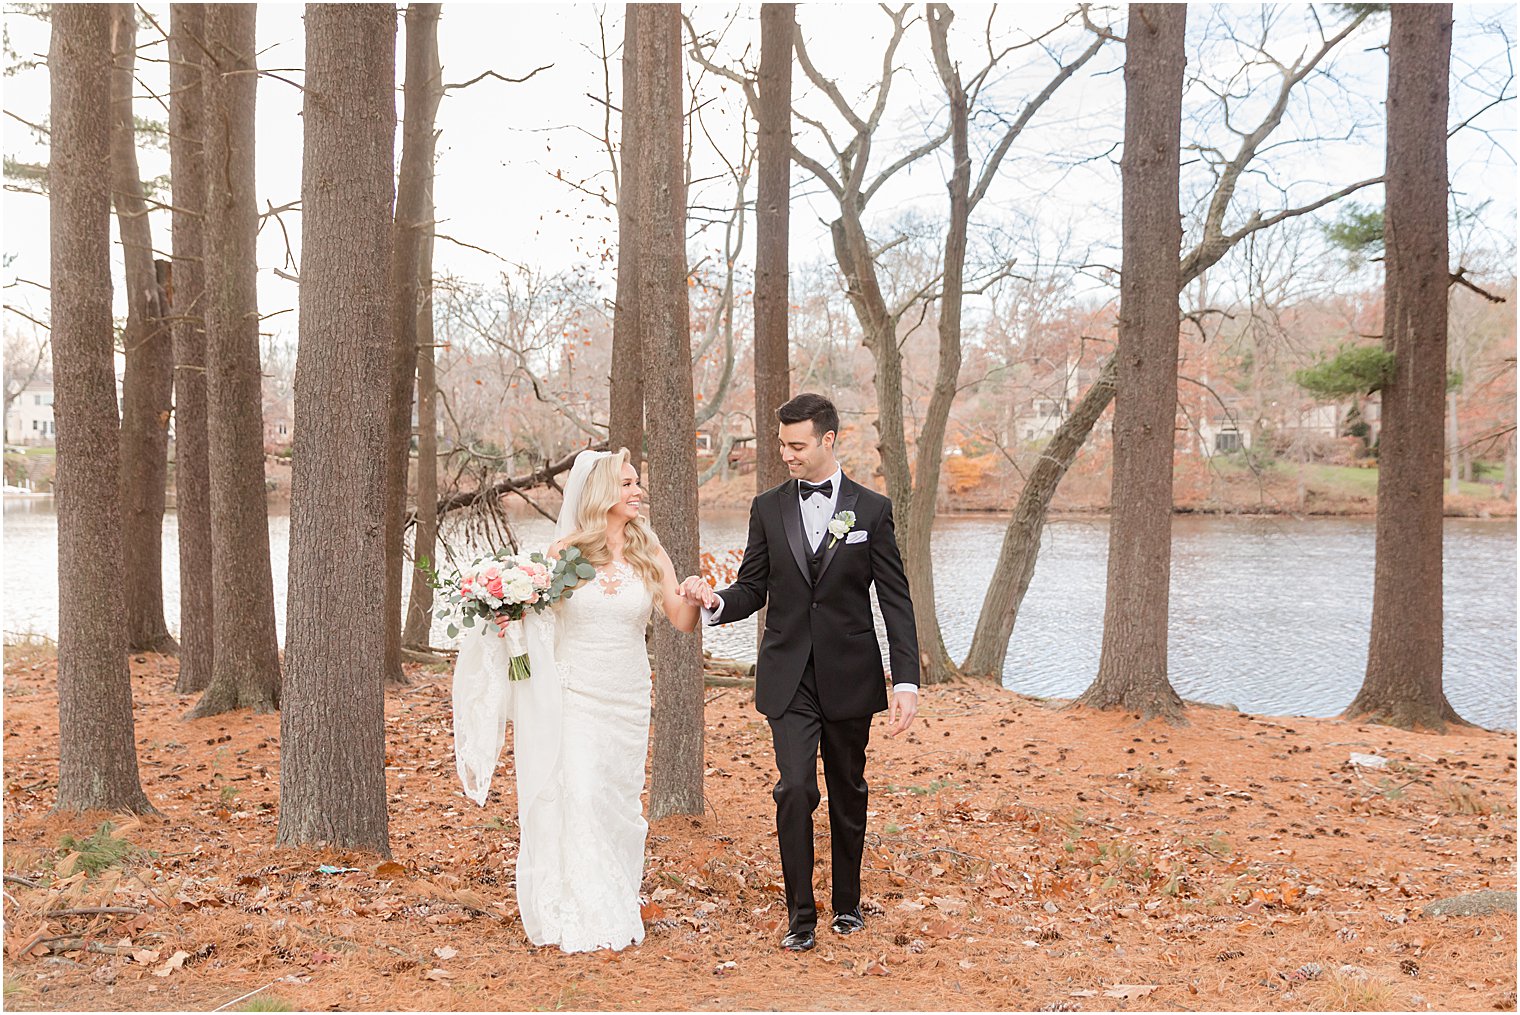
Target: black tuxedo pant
[(799, 734)]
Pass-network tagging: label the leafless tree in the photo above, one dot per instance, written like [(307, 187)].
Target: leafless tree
[(1219, 229), (847, 175), (246, 663), (192, 466), (147, 381), (413, 223)]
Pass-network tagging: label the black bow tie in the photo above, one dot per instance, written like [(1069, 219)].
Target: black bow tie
[(808, 489)]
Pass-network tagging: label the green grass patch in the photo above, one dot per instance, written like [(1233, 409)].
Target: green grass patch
[(267, 1002), (99, 852), (1347, 480)]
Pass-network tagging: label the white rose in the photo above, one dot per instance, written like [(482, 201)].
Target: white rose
[(838, 527), (516, 587)]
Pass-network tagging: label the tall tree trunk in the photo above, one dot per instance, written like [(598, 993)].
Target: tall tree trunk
[(332, 726), (192, 480), (625, 426), (1403, 684), (1021, 540), (419, 613), (97, 752), (778, 23), (1132, 670), (246, 667), (656, 103), (423, 90), (148, 380), (772, 342)]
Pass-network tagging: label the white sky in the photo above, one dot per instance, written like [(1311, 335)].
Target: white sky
[(502, 144)]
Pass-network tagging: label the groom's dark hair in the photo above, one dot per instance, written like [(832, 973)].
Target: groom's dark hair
[(808, 406)]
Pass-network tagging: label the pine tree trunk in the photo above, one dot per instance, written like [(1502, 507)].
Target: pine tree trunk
[(772, 343), (246, 667), (192, 480), (625, 426), (423, 90), (1403, 684), (1021, 540), (1132, 671), (772, 237), (97, 751), (419, 613), (656, 103), (332, 726), (147, 382)]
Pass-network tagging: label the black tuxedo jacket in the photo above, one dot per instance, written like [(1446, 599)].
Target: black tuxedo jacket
[(829, 620)]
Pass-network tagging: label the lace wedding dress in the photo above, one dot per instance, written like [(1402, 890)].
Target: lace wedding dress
[(581, 734)]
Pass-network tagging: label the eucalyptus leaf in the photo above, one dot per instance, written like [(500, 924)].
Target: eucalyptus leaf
[(585, 571), (453, 631)]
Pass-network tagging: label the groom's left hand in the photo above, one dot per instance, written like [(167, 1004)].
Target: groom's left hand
[(901, 712)]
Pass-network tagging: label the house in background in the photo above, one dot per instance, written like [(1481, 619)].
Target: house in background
[(30, 418)]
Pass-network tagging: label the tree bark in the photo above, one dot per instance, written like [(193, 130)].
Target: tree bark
[(192, 480), (1021, 540), (97, 751), (656, 103), (918, 559), (245, 669), (773, 113), (423, 90), (772, 343), (625, 426), (1403, 683), (148, 379), (419, 614), (1132, 672), (332, 726)]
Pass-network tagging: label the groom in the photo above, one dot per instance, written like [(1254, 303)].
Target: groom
[(816, 544)]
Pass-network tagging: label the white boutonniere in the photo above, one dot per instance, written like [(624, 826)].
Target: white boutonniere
[(840, 525)]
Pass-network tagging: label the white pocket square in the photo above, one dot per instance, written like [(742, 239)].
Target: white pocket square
[(858, 536)]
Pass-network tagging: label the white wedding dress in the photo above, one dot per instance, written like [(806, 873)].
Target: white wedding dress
[(581, 735)]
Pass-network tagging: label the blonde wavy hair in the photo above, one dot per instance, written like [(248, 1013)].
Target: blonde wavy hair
[(601, 493)]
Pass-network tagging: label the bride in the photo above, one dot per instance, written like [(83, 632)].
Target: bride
[(581, 721)]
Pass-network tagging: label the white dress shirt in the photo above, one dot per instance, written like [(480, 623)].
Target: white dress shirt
[(817, 512)]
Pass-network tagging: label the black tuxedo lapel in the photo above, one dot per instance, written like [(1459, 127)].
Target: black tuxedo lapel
[(848, 492), (791, 518)]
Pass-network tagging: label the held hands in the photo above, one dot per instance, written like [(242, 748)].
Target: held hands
[(697, 592), (901, 712)]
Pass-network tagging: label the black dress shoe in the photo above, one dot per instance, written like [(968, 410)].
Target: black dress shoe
[(798, 940), (848, 923)]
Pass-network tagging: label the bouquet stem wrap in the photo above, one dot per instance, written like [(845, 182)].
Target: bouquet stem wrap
[(517, 648)]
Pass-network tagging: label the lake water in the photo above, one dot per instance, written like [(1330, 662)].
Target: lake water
[(1269, 614)]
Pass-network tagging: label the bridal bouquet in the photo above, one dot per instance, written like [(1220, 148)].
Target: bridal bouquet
[(506, 585)]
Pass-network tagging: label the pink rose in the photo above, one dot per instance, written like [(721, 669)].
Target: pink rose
[(494, 587)]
